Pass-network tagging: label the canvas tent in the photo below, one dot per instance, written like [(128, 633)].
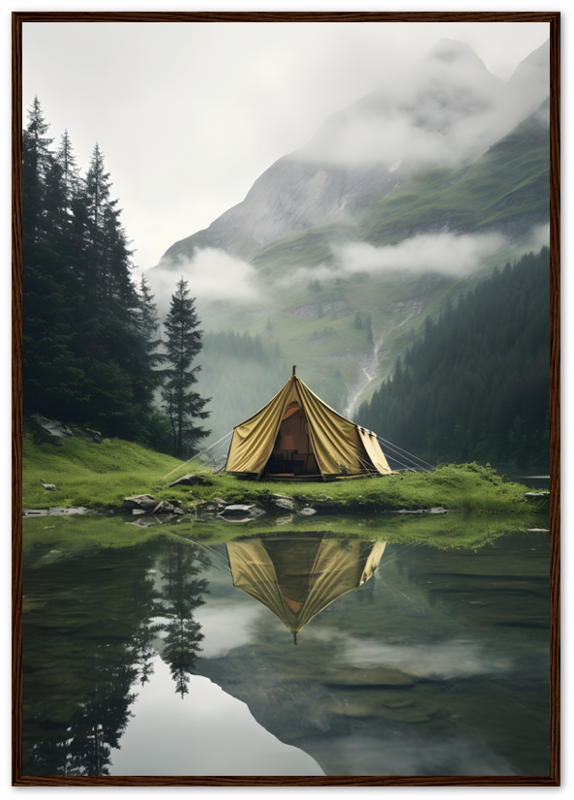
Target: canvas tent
[(298, 577), (296, 435)]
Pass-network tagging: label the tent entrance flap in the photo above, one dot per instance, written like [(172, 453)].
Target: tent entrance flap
[(293, 452), (297, 436)]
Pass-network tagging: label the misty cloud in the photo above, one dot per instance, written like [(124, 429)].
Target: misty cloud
[(212, 275), (443, 109), (445, 253), (215, 275)]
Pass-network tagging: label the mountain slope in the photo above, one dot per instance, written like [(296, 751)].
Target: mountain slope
[(506, 190), (451, 110)]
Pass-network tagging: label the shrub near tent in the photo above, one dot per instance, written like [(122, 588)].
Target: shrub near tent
[(297, 436)]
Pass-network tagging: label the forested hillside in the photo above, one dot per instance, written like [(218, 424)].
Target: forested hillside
[(91, 349), (475, 386)]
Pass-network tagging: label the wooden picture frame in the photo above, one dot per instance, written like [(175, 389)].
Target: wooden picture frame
[(19, 17)]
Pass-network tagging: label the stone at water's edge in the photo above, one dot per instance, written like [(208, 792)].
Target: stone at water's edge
[(237, 509), (283, 502), (142, 501), (56, 511), (145, 503)]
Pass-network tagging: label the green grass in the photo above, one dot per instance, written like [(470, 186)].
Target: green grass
[(101, 475), (467, 488), (89, 474)]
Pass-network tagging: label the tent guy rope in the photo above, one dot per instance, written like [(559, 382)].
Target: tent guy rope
[(197, 455)]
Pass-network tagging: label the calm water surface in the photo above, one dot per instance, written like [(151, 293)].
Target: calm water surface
[(292, 654)]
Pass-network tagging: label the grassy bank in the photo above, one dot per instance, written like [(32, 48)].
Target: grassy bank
[(100, 475)]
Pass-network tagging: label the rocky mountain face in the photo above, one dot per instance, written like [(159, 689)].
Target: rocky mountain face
[(449, 111)]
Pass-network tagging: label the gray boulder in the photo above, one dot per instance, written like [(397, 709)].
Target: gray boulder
[(163, 507), (144, 502), (283, 502), (55, 428)]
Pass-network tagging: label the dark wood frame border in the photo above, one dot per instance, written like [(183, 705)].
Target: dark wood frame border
[(553, 18)]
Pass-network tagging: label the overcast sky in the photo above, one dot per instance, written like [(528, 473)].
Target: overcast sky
[(188, 115)]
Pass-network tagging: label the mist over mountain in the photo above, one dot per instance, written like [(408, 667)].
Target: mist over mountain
[(446, 111)]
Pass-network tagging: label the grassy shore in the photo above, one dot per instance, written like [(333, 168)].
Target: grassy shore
[(101, 475)]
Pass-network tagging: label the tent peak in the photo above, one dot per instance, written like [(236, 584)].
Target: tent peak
[(294, 368)]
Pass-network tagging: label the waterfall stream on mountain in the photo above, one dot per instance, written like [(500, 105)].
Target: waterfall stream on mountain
[(369, 365)]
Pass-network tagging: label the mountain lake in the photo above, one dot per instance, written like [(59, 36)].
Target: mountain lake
[(297, 653)]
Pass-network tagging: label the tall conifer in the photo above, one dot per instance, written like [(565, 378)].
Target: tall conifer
[(183, 344)]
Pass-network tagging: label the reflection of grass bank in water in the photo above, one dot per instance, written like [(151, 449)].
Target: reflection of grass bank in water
[(72, 535), (444, 532), (81, 535)]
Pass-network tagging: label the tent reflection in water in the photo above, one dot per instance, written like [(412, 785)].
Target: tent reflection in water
[(298, 577), (297, 436)]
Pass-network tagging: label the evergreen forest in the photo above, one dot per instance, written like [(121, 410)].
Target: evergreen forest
[(92, 354), (475, 385)]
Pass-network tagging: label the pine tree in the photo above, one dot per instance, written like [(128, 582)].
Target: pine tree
[(183, 344), (149, 321), (36, 162), (70, 172)]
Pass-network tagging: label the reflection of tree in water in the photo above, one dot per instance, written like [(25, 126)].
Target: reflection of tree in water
[(96, 727), (182, 594), (88, 639)]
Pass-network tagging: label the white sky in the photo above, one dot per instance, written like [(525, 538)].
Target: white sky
[(188, 115)]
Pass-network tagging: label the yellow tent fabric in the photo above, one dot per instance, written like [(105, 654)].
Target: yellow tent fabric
[(298, 578), (325, 442)]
